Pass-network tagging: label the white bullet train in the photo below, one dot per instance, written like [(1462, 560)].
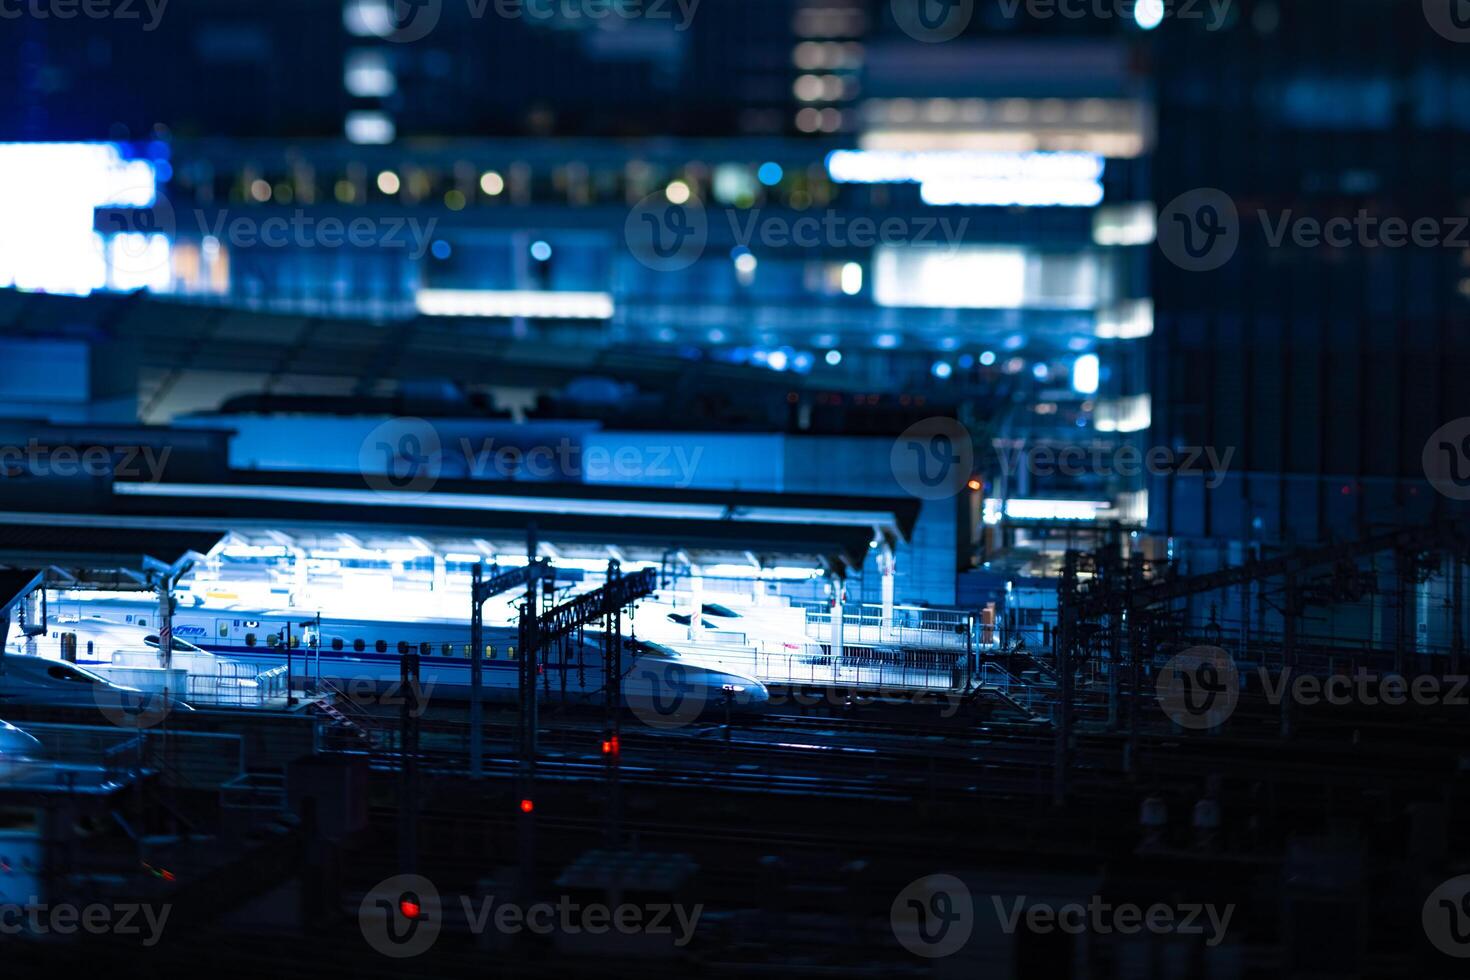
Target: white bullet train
[(39, 680), (774, 631), (354, 652), (16, 747)]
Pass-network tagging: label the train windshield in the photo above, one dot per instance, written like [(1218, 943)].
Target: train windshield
[(646, 649), (724, 612), (77, 675), (179, 645), (683, 620)]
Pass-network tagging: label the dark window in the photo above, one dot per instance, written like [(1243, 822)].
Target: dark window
[(250, 639), (336, 643), (381, 646), (64, 674), (177, 644), (359, 645)]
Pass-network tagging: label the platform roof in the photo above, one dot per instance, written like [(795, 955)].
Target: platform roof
[(15, 585), (80, 545), (569, 520)]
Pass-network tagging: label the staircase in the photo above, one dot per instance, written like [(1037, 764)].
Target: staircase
[(356, 732)]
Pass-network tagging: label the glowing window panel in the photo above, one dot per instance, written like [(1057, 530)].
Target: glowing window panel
[(988, 277), (1011, 192), (1020, 509), (369, 128), (49, 194), (1086, 371), (1124, 224), (898, 166), (368, 74), (1040, 179), (368, 18), (1131, 414), (1128, 320), (510, 303)]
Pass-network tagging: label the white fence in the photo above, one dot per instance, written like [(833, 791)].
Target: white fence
[(817, 671), (238, 685), (210, 680), (911, 626)]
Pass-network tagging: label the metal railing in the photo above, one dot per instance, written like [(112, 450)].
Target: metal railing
[(868, 673), (819, 672), (910, 626), (993, 677), (238, 685)]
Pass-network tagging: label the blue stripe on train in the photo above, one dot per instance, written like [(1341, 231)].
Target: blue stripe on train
[(368, 656)]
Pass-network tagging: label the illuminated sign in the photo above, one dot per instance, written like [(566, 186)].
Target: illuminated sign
[(968, 177)]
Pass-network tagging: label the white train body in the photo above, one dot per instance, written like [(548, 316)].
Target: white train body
[(40, 680), (354, 652), (769, 631)]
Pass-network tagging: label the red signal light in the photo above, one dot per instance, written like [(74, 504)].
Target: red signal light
[(409, 909), (527, 806)]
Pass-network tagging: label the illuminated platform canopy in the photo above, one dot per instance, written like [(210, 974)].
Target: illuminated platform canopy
[(169, 519)]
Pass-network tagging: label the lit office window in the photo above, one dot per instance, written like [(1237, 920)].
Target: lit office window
[(368, 18), (367, 74), (369, 127)]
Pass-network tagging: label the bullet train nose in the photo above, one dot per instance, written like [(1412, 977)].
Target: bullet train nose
[(746, 691), (16, 744)]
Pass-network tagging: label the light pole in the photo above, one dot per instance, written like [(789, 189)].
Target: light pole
[(290, 695)]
